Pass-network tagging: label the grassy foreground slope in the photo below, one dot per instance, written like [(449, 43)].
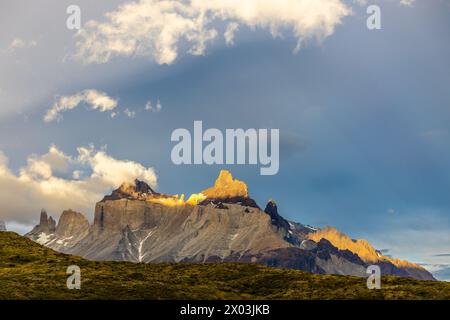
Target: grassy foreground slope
[(31, 271)]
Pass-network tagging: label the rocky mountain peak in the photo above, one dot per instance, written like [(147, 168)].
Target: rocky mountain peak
[(142, 187), (46, 222), (226, 187), (72, 223), (137, 190), (47, 225), (341, 241), (43, 220), (271, 206), (360, 247), (280, 223), (137, 187), (223, 224)]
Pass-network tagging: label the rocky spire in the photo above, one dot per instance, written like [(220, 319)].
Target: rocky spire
[(46, 225), (43, 220), (226, 187), (227, 190), (280, 223)]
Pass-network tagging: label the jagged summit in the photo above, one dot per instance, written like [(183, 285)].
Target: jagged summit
[(272, 210), (72, 223), (72, 227), (342, 241), (46, 226), (360, 247), (227, 190), (137, 190), (292, 232), (226, 187), (142, 187), (140, 190), (221, 223)]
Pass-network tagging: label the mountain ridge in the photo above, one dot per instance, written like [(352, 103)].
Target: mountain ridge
[(221, 223), (29, 270)]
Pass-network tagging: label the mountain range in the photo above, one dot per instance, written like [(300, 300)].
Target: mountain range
[(220, 224), (29, 270)]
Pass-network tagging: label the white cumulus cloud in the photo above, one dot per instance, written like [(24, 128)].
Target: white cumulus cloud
[(96, 100), (56, 181), (158, 28)]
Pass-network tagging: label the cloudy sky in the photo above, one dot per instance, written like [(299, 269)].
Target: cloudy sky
[(364, 115)]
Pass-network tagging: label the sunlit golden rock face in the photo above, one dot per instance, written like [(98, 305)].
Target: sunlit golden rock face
[(360, 247), (168, 201), (341, 241), (139, 190), (226, 187), (195, 198), (172, 201)]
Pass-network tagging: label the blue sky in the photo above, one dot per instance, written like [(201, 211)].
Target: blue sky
[(363, 116)]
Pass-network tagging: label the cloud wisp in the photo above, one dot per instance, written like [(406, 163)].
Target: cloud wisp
[(19, 43), (129, 113), (96, 100), (153, 108), (159, 29), (56, 181), (407, 3)]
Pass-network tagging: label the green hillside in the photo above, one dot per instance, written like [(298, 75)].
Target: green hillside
[(31, 271)]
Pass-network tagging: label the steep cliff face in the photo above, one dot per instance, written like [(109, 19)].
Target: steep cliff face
[(154, 232), (72, 223), (294, 233), (137, 190), (221, 223)]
